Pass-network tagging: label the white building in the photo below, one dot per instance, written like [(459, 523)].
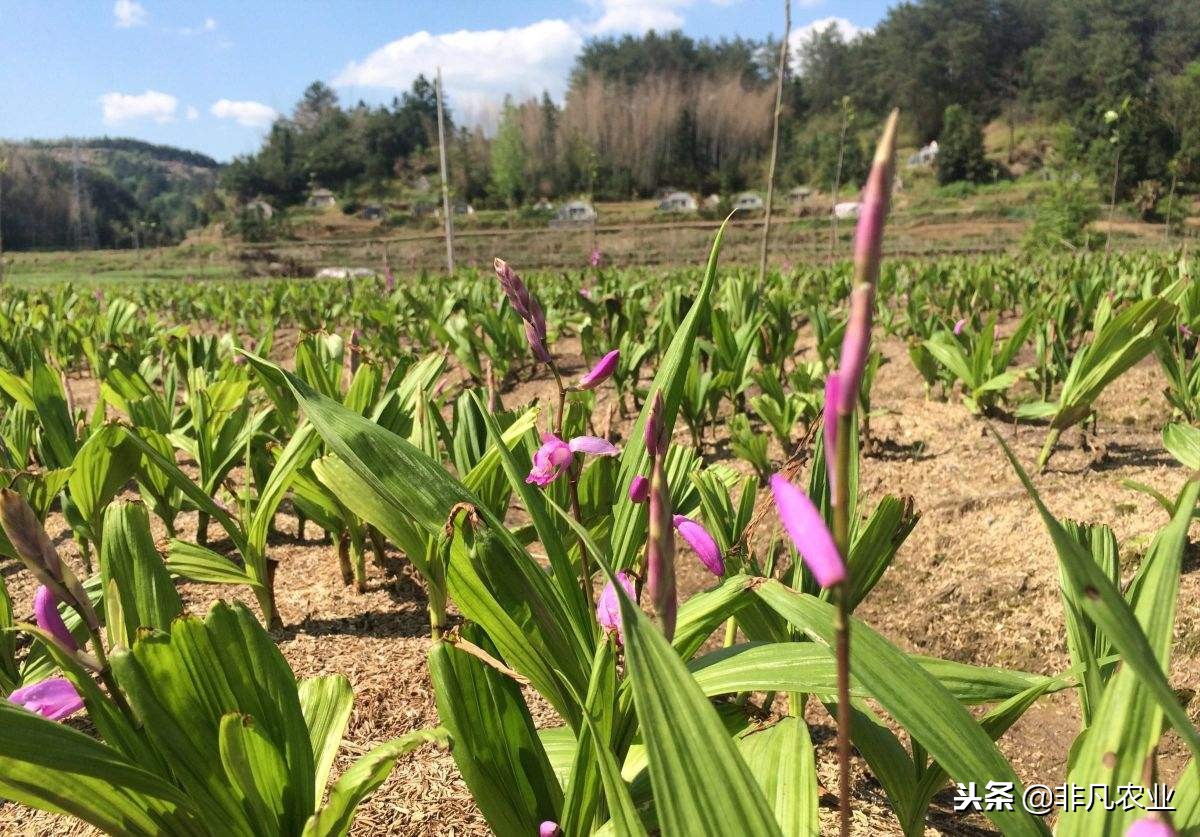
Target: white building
[(748, 201), (677, 202)]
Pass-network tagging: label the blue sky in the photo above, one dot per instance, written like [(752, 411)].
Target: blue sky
[(212, 74)]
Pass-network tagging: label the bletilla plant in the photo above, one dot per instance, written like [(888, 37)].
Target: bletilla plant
[(203, 728)]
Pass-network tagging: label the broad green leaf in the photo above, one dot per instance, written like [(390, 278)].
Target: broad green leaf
[(53, 767), (131, 566), (913, 697), (494, 742), (1105, 606), (326, 702), (363, 777), (781, 758), (701, 784), (255, 770)]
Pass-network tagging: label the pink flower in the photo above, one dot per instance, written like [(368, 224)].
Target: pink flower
[(1147, 827), (808, 532), (555, 456), (702, 543), (959, 326), (54, 698), (45, 612), (608, 606), (601, 372), (595, 258), (639, 489)]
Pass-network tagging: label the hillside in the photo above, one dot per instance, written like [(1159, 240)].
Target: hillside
[(129, 193)]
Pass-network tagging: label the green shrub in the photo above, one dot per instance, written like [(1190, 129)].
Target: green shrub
[(960, 149), (1062, 214)]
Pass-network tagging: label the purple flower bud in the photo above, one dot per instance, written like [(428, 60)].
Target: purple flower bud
[(808, 532), (639, 489), (959, 326), (536, 343), (654, 433), (702, 543), (829, 426), (601, 372), (1148, 827), (355, 350), (868, 248), (660, 552), (389, 279), (514, 289), (608, 606), (54, 698), (45, 613), (595, 258), (549, 829), (593, 446), (873, 210), (586, 293), (856, 346)]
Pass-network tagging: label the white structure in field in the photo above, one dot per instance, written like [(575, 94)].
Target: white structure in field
[(926, 156), (321, 198), (846, 209), (345, 273), (677, 202), (575, 212), (748, 201)]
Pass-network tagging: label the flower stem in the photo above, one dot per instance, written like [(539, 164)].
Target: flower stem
[(841, 624)]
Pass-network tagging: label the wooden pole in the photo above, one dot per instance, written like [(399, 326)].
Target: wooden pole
[(766, 234), (445, 180)]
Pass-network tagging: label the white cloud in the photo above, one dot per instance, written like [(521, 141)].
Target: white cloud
[(801, 35), (478, 66), (192, 113), (129, 13), (639, 16), (245, 113), (209, 25), (129, 107)]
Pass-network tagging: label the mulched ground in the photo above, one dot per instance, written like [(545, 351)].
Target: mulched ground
[(976, 582)]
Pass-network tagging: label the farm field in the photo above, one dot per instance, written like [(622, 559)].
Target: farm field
[(171, 400)]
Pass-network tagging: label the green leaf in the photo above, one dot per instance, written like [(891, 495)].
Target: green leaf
[(363, 777), (1182, 441), (131, 566), (781, 758), (913, 697), (809, 667), (256, 771), (326, 702), (701, 784), (629, 526), (494, 743), (200, 563), (53, 767), (1105, 606)]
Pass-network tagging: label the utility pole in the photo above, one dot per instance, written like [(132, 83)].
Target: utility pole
[(783, 53), (445, 180)]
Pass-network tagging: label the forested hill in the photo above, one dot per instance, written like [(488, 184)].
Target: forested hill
[(127, 193), (1101, 79)]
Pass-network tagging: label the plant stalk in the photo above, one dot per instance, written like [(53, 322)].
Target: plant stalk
[(841, 624)]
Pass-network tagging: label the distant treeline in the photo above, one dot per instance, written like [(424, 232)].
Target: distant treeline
[(126, 193), (646, 112)]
